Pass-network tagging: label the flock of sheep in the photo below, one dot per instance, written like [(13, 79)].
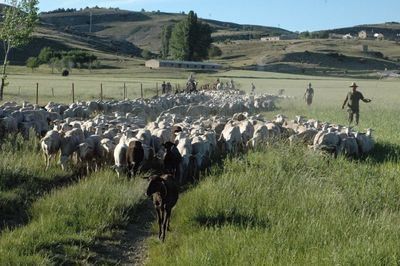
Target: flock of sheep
[(179, 135), (187, 132)]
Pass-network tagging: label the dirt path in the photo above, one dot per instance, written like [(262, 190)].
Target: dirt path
[(126, 246)]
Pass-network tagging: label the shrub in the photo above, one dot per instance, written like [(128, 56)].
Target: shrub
[(146, 54), (32, 63), (214, 51)]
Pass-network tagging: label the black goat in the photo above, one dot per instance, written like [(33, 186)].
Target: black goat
[(134, 156), (165, 194), (172, 159)]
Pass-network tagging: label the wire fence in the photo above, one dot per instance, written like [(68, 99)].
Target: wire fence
[(42, 92)]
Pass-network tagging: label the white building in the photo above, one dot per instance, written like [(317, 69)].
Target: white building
[(155, 63)]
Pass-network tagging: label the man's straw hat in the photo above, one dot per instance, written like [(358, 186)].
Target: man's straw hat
[(353, 85)]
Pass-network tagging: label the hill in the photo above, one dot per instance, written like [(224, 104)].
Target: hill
[(111, 32), (115, 31), (390, 30), (144, 28), (312, 56)]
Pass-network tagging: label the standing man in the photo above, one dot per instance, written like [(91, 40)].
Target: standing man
[(309, 94), (253, 88), (164, 87), (353, 103)]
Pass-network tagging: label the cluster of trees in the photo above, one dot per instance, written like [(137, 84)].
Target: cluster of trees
[(188, 40), (60, 10), (63, 59), (314, 35)]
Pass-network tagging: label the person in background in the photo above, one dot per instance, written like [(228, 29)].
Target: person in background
[(353, 103), (253, 88), (163, 87), (309, 94)]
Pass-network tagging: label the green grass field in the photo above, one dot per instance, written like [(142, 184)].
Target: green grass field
[(278, 205), (285, 205)]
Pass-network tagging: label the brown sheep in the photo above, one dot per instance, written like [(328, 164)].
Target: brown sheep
[(165, 194)]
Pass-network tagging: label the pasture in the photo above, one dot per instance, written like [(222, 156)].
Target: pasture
[(275, 205)]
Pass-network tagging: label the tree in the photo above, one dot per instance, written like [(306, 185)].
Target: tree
[(214, 51), (19, 20), (190, 39), (146, 54), (32, 63), (304, 35), (203, 42), (45, 55), (165, 38), (179, 42)]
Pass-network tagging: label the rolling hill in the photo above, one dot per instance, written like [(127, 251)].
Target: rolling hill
[(391, 30), (143, 28), (110, 32)]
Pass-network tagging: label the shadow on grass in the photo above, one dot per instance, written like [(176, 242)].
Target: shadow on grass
[(235, 219), (20, 190), (385, 152)]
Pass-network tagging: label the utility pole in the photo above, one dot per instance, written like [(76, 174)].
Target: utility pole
[(90, 21)]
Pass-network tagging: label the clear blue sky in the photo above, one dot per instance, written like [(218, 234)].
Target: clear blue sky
[(294, 15)]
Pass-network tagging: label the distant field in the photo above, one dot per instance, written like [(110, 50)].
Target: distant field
[(328, 90)]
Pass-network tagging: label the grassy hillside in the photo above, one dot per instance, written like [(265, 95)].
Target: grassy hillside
[(389, 29), (315, 56), (144, 28)]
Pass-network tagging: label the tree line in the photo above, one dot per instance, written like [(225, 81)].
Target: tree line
[(63, 59)]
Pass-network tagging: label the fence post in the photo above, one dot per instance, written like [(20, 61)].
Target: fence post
[(19, 91), (157, 88), (125, 92), (37, 93), (52, 92), (101, 91), (141, 90), (73, 92)]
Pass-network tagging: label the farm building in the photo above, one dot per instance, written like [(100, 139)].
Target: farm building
[(379, 36), (270, 39), (155, 63), (279, 38), (365, 35), (347, 36)]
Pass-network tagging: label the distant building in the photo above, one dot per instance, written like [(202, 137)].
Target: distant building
[(280, 38), (348, 36), (365, 35), (155, 63), (271, 39), (379, 36)]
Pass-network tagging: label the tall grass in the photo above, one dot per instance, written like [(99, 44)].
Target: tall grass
[(287, 205), (67, 221), (23, 177)]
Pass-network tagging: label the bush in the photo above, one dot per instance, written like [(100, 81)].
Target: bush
[(214, 51), (146, 54), (32, 63)]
